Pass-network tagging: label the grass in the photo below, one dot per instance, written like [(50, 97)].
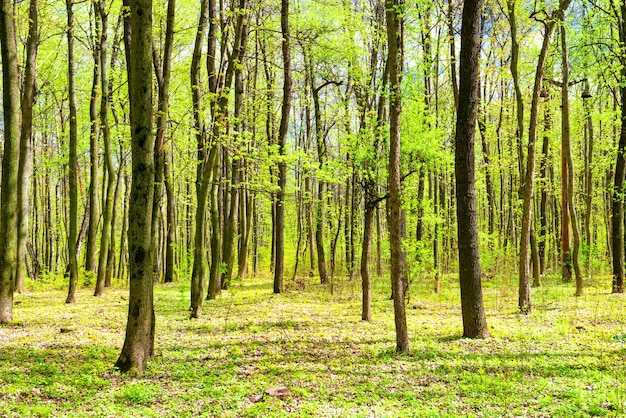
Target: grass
[(566, 359)]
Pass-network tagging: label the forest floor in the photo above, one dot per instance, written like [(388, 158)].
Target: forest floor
[(566, 359)]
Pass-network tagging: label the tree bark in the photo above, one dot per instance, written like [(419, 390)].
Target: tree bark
[(528, 187), (474, 322), (617, 205), (200, 275), (10, 161), (395, 48), (162, 69), (73, 163), (26, 149), (567, 151), (282, 139), (139, 342), (101, 74)]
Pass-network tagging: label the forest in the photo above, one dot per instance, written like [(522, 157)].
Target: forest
[(327, 208)]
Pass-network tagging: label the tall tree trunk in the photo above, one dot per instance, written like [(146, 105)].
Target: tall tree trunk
[(234, 188), (94, 216), (617, 206), (394, 10), (10, 160), (519, 98), (452, 49), (139, 342), (588, 176), (101, 74), (282, 140), (200, 275), (26, 150), (73, 163), (543, 206), (567, 149), (528, 187), (162, 69), (474, 322)]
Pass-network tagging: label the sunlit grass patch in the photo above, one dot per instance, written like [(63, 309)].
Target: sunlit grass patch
[(566, 359)]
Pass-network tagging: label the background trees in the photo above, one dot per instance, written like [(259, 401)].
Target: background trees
[(236, 159)]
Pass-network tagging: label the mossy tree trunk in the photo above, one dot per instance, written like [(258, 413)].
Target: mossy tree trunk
[(139, 342), (10, 160)]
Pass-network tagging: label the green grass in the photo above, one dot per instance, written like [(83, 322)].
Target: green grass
[(566, 359)]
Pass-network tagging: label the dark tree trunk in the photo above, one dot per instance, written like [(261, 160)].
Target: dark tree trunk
[(395, 45), (10, 160), (366, 280), (474, 322), (139, 342), (101, 74), (162, 69), (617, 206), (282, 139), (199, 275), (73, 163)]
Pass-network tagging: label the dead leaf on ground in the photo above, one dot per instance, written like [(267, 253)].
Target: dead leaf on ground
[(278, 392), (255, 398)]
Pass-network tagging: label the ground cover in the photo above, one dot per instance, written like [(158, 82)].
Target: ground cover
[(566, 359)]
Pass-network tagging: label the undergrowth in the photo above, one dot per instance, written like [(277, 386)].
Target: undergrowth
[(568, 358)]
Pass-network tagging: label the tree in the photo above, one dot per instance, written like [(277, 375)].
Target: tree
[(569, 163), (139, 342), (10, 161), (73, 163), (199, 274), (282, 139), (528, 185), (617, 205), (26, 149), (394, 21), (474, 322)]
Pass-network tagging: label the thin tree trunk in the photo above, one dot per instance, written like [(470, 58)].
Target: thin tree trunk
[(199, 275), (366, 280), (101, 74), (395, 47), (162, 69), (73, 163), (26, 150), (570, 163), (588, 176), (528, 187), (543, 211)]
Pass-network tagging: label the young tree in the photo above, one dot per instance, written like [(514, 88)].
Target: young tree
[(73, 163), (199, 275), (528, 185), (474, 322), (10, 160), (282, 139), (139, 342), (26, 149), (394, 21)]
